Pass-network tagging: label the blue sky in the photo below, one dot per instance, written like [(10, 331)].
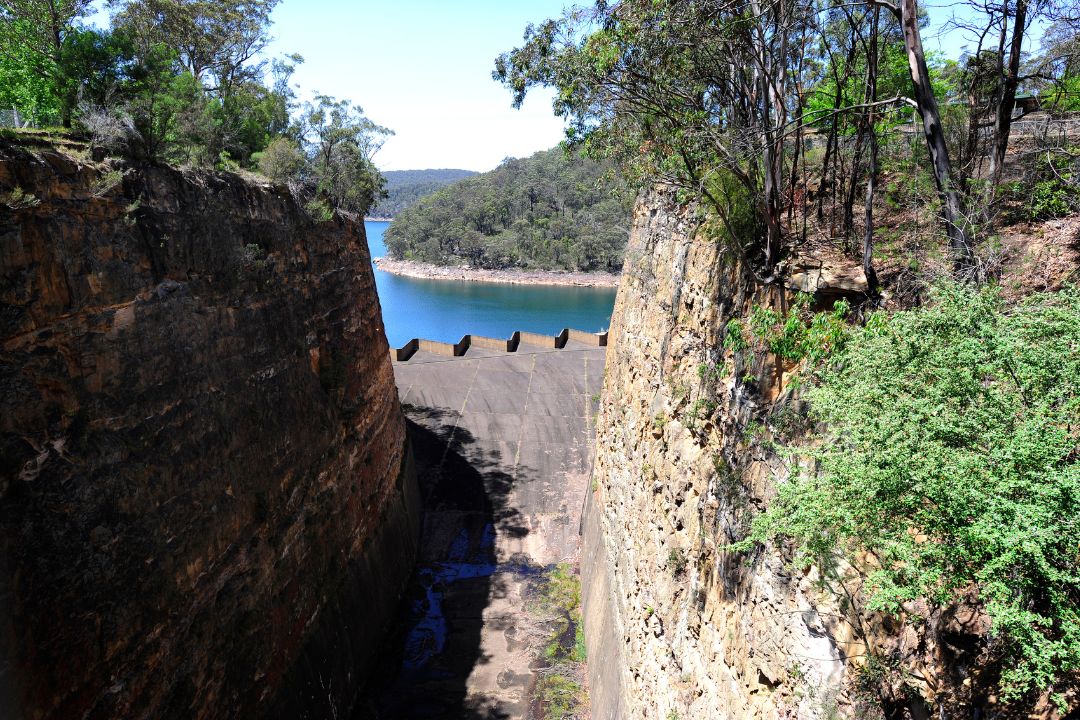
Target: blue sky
[(423, 69)]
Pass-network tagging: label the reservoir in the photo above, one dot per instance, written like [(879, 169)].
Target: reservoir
[(447, 309)]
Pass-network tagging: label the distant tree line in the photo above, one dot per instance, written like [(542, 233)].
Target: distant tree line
[(184, 82), (405, 187), (549, 211)]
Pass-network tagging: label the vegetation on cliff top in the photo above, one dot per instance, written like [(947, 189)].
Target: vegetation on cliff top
[(951, 458), (405, 187), (183, 82), (789, 120), (548, 211)]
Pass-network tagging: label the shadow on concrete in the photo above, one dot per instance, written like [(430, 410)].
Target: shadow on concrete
[(435, 645)]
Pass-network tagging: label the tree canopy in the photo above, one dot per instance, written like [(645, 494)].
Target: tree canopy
[(184, 81)]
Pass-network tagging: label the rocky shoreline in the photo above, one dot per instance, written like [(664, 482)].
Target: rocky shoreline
[(427, 271)]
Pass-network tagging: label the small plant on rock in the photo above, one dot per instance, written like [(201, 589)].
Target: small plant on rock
[(106, 183), (19, 199), (676, 562)]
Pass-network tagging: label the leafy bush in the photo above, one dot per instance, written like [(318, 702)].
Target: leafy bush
[(951, 457), (1050, 187), (734, 337), (1053, 198), (319, 210), (282, 160), (677, 562), (798, 333), (19, 199), (106, 183)]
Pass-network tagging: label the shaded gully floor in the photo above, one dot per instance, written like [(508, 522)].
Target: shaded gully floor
[(503, 445)]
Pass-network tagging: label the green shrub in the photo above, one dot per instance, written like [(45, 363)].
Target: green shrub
[(319, 210), (734, 337), (1049, 189), (951, 456), (19, 199), (561, 696), (677, 562), (282, 160), (106, 183), (1051, 199), (799, 334)]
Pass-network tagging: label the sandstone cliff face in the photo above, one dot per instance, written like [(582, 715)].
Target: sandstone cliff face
[(684, 457), (206, 509), (700, 635)]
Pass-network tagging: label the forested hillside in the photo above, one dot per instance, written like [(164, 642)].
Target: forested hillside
[(548, 211), (404, 187)]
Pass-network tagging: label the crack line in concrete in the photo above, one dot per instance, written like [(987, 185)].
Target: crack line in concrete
[(524, 418), (461, 414)]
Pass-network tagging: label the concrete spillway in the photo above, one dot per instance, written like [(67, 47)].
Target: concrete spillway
[(503, 447)]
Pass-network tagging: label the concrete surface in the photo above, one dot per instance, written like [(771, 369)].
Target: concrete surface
[(503, 450)]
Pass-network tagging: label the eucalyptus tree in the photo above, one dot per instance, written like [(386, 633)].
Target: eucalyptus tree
[(341, 142), (1057, 68), (697, 94), (217, 41), (32, 38), (213, 103)]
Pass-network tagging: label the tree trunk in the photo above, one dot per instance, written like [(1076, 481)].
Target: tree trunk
[(55, 32), (1007, 98), (847, 227), (872, 171), (773, 162), (796, 151), (969, 154), (771, 86), (957, 226), (832, 143), (868, 231)]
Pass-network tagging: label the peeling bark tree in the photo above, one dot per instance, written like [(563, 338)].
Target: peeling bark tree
[(957, 225)]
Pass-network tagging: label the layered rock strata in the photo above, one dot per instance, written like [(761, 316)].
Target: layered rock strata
[(685, 455), (206, 503), (698, 634)]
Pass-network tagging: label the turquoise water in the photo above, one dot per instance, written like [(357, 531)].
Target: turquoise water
[(447, 309)]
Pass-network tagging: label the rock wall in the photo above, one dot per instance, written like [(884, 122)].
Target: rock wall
[(206, 503), (697, 634), (686, 454)]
